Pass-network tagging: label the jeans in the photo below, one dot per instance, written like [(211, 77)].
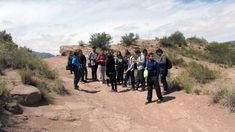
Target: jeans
[(164, 82), (101, 70), (128, 75), (84, 73), (140, 79), (113, 81), (94, 72), (77, 76), (153, 83), (120, 73)]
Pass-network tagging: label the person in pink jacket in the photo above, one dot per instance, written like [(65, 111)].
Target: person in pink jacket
[(101, 58)]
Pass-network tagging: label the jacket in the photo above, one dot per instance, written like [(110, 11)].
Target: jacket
[(119, 62), (75, 62), (141, 60), (92, 58), (82, 59), (163, 65), (101, 58), (153, 68), (110, 66)]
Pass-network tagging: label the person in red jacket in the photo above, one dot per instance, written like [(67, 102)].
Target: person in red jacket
[(101, 58)]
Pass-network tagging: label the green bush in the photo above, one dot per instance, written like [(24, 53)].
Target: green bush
[(225, 95), (5, 36), (221, 53), (130, 38), (81, 43), (176, 60), (196, 40), (100, 40), (176, 39), (4, 93), (183, 82), (201, 73), (193, 53), (26, 77)]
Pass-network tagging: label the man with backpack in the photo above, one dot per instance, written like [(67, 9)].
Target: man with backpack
[(69, 64), (165, 64), (76, 69), (153, 69)]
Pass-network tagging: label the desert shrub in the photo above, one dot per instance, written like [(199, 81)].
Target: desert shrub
[(129, 39), (225, 95), (26, 76), (201, 73), (221, 53), (59, 88), (193, 53), (183, 82), (4, 93), (100, 40), (196, 40), (81, 43), (176, 60), (176, 39)]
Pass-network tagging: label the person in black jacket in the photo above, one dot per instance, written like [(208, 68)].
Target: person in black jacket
[(119, 62), (163, 69), (82, 59), (152, 79), (111, 71)]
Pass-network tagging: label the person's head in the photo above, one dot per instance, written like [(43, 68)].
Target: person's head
[(94, 48), (80, 52), (159, 52), (119, 54), (145, 52), (137, 52), (76, 53), (150, 56)]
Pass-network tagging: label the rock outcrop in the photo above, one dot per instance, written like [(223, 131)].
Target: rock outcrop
[(26, 95)]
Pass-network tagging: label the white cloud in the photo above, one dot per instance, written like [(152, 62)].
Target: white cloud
[(44, 25)]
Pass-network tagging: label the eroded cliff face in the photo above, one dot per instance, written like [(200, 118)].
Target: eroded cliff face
[(65, 50)]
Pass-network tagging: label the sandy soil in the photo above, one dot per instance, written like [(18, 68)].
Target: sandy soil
[(96, 109)]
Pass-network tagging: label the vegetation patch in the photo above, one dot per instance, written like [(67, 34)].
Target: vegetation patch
[(130, 38), (4, 93)]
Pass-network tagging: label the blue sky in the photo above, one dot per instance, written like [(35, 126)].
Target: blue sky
[(44, 25)]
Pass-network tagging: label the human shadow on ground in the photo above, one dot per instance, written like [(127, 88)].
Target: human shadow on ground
[(90, 91), (165, 99), (125, 90)]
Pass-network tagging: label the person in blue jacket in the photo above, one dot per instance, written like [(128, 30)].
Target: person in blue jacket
[(152, 79), (76, 69)]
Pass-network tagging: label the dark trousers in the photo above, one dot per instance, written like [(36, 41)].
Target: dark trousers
[(164, 82), (140, 79), (94, 72), (84, 73), (77, 76), (120, 73), (153, 83), (128, 75), (113, 81)]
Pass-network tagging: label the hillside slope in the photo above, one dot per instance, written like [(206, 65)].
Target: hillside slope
[(95, 108)]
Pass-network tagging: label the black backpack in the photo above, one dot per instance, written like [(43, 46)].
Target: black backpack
[(168, 63)]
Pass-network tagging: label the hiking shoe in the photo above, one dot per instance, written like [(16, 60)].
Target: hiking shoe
[(159, 101), (147, 102)]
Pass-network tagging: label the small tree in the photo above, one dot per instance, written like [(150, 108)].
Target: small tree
[(166, 42), (178, 39), (130, 38), (81, 43), (196, 40), (4, 36), (100, 40)]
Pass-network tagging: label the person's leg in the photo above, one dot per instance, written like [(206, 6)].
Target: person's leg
[(164, 82), (99, 72), (126, 78), (142, 79), (150, 90), (103, 74), (118, 76), (85, 71), (122, 75), (82, 74), (76, 78), (115, 83), (93, 72), (133, 79), (157, 87), (111, 81), (138, 79)]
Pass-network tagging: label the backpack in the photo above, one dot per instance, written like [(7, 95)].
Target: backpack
[(168, 63)]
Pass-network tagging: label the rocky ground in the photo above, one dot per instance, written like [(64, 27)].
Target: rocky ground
[(95, 108)]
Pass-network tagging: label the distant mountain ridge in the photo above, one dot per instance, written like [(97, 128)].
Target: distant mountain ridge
[(43, 54)]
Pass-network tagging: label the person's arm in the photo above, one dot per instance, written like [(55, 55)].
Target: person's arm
[(84, 60), (98, 59), (74, 62)]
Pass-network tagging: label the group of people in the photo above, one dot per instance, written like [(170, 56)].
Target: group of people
[(115, 69)]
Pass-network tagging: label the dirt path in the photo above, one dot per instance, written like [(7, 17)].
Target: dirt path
[(97, 109)]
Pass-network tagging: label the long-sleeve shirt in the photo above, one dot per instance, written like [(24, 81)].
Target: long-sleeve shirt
[(163, 64), (141, 61), (131, 63), (110, 66), (82, 59), (153, 68)]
